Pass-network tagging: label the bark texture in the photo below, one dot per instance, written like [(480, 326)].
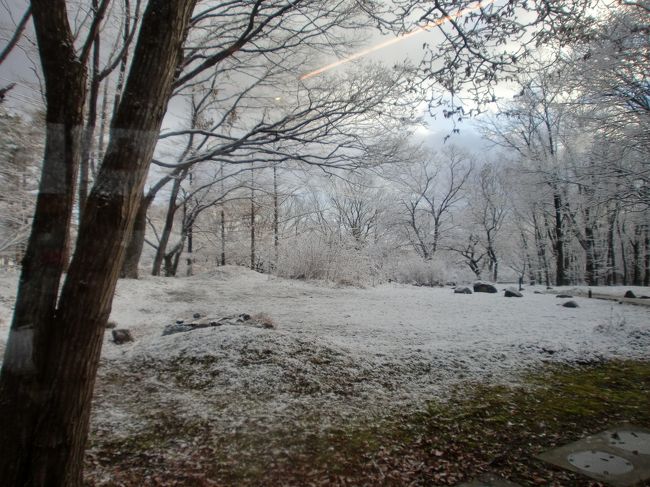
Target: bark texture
[(53, 351), (560, 275), (23, 389), (136, 241)]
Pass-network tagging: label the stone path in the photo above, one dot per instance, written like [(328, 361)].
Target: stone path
[(618, 456)]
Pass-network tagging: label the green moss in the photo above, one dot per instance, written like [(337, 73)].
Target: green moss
[(479, 428), (501, 428)]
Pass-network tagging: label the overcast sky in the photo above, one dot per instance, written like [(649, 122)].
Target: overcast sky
[(20, 69)]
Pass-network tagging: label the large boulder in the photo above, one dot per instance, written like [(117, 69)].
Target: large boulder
[(563, 296), (511, 292), (570, 304), (484, 287), (121, 336), (629, 294), (462, 290), (257, 321), (181, 326)]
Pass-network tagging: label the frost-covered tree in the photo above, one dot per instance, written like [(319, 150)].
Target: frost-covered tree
[(535, 125), (430, 189), (611, 76), (489, 207), (21, 142)]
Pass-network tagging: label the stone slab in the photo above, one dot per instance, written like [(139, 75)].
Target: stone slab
[(618, 456), (489, 481)]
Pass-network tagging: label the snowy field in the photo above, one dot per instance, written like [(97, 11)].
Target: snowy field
[(335, 352)]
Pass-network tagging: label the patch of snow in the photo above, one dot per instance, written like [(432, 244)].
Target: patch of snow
[(335, 352)]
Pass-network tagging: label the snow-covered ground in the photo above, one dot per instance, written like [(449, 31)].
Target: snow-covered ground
[(335, 352)]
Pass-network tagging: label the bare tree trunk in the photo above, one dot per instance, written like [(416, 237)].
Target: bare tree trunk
[(252, 220), (188, 233), (590, 250), (436, 237), (53, 352), (621, 241), (172, 258), (223, 223), (136, 241), (276, 216), (636, 257), (174, 263), (646, 277), (420, 245), (611, 252), (223, 236), (493, 265), (169, 223), (560, 271), (190, 249), (23, 393)]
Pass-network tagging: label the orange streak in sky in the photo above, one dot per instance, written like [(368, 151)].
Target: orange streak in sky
[(414, 32)]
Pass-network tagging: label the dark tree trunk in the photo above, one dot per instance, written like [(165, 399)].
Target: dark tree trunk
[(169, 224), (590, 250), (170, 261), (252, 221), (223, 222), (136, 241), (174, 268), (494, 262), (223, 236), (611, 253), (621, 242), (421, 247), (636, 246), (646, 277), (53, 352), (636, 259), (23, 392), (168, 264), (560, 271), (276, 216), (190, 249), (436, 236), (590, 259), (172, 258)]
